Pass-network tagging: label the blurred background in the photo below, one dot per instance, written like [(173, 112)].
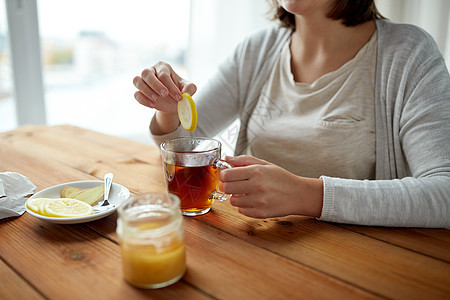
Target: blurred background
[(78, 58)]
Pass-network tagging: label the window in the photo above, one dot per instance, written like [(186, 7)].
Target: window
[(7, 108), (92, 50)]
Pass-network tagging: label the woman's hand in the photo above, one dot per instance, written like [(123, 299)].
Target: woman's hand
[(160, 87), (263, 190)]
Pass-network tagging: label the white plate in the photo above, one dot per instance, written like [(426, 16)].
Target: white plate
[(117, 196)]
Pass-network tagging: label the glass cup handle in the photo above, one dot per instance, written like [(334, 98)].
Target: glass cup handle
[(217, 195)]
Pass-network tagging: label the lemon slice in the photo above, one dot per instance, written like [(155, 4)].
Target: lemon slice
[(66, 208), (187, 113), (37, 204)]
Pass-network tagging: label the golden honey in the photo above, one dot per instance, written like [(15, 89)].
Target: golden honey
[(152, 243)]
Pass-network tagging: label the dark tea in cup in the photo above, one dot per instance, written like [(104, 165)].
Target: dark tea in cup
[(193, 185), (191, 167)]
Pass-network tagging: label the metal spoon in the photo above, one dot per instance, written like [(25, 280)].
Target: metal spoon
[(106, 205), (108, 182)]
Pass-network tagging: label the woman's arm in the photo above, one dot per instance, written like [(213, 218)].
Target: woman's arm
[(413, 140)]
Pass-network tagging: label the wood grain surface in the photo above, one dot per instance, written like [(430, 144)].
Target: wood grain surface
[(229, 256)]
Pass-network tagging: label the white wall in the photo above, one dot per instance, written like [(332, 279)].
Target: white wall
[(431, 15), (217, 26)]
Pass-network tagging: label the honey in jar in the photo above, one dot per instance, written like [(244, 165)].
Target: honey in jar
[(151, 240)]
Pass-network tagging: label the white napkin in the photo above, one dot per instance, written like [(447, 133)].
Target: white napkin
[(14, 189)]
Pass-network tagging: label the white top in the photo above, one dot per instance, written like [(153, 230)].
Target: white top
[(323, 128)]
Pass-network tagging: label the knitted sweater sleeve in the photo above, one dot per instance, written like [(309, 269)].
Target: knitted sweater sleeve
[(413, 140)]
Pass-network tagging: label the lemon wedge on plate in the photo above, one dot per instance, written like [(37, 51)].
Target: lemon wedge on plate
[(37, 204), (187, 112), (66, 208)]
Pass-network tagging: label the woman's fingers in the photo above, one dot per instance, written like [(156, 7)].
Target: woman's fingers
[(173, 82), (149, 78), (161, 81), (188, 87), (232, 174), (239, 201), (242, 168), (158, 81), (245, 160), (144, 89), (144, 100), (169, 79), (249, 207), (235, 187), (253, 212)]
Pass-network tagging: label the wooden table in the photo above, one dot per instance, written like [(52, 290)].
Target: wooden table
[(229, 256)]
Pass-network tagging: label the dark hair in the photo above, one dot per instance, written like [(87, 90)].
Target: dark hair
[(351, 12)]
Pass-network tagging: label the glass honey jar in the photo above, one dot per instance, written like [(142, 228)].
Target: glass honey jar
[(151, 238)]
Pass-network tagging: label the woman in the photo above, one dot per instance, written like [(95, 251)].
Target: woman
[(348, 114)]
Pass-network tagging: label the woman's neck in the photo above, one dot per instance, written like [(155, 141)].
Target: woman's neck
[(320, 45)]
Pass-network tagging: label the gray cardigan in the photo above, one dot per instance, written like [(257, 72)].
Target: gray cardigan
[(412, 94)]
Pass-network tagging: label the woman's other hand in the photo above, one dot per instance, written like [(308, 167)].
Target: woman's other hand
[(264, 190)]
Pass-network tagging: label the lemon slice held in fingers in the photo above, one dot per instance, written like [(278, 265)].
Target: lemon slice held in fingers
[(187, 112)]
